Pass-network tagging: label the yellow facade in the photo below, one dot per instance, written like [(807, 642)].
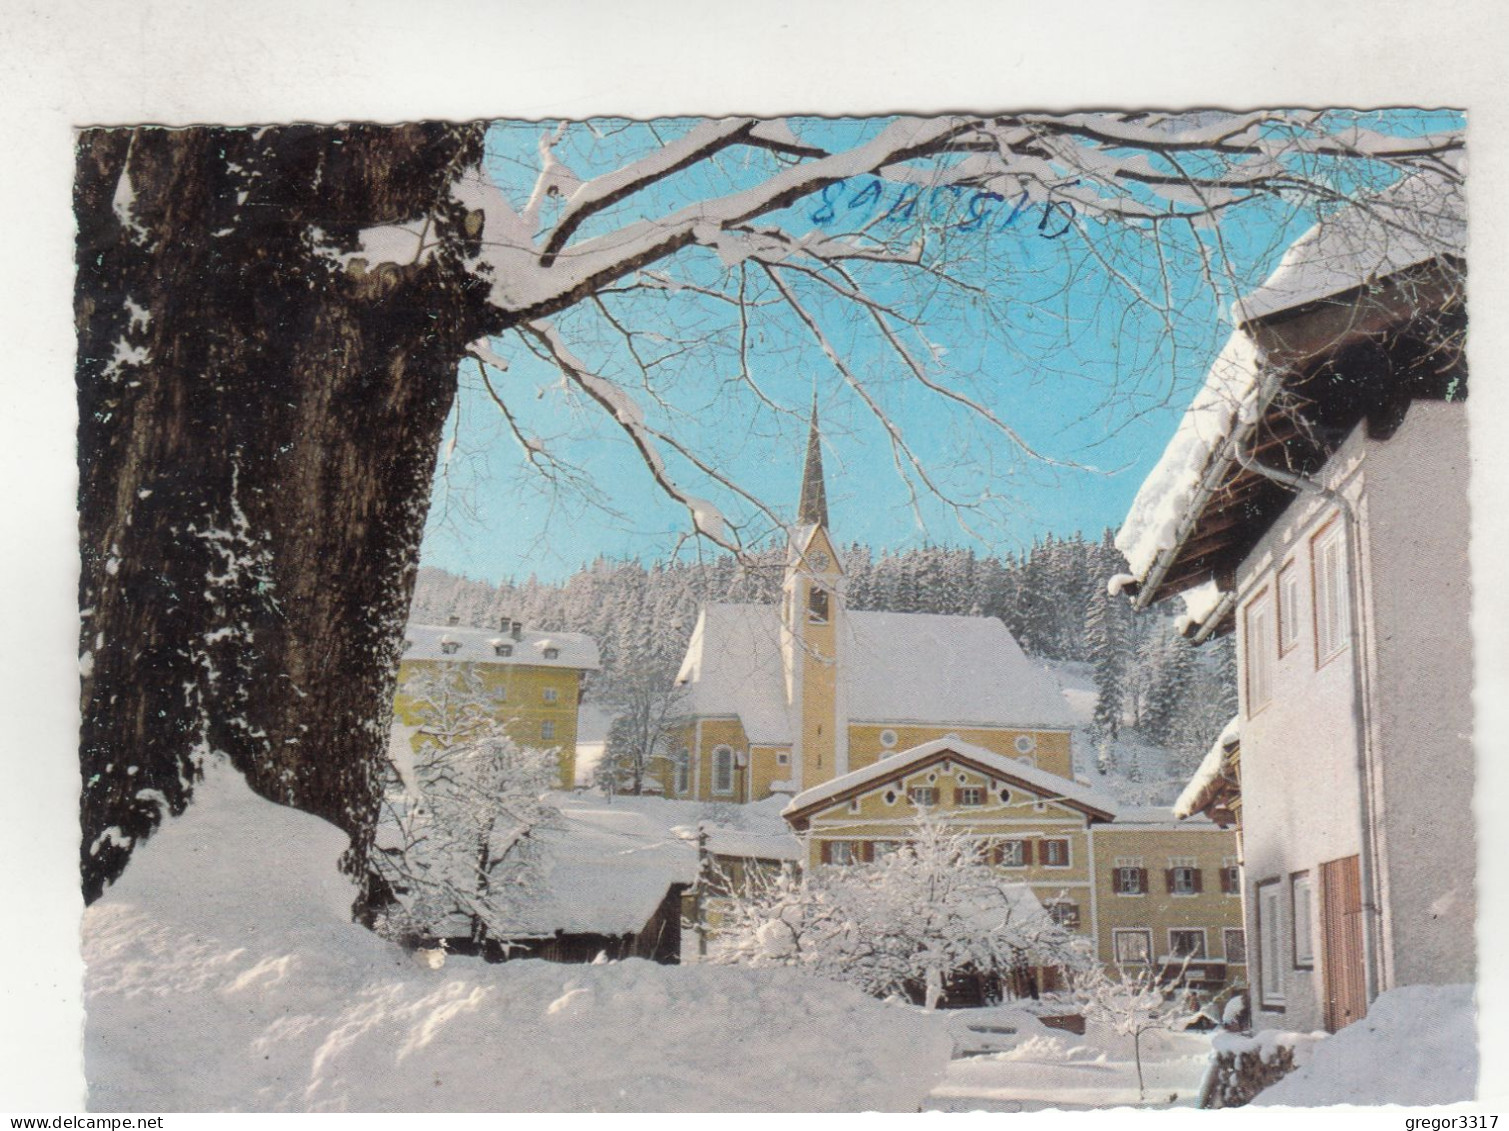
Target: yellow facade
[(1076, 879), (537, 704), (1046, 749)]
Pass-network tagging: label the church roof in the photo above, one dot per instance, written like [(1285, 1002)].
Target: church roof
[(812, 509), (895, 668)]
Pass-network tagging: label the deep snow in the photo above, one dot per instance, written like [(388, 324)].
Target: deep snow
[(224, 975)]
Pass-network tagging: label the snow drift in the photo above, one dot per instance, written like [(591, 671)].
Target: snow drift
[(224, 974), (1416, 1046)]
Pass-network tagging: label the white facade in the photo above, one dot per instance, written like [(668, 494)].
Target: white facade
[(1356, 725)]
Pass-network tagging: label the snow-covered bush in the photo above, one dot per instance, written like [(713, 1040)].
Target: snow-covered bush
[(461, 802), (928, 913)]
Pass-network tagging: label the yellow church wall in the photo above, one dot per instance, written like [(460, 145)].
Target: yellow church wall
[(1050, 749), (523, 707), (1157, 849)]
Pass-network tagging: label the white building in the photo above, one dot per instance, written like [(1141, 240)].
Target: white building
[(1314, 501)]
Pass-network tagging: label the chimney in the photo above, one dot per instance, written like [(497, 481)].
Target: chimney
[(517, 630)]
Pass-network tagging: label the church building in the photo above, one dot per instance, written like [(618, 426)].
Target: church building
[(783, 699)]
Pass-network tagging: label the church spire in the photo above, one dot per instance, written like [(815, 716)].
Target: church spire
[(813, 508)]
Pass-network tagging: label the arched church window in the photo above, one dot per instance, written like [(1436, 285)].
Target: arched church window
[(723, 769)]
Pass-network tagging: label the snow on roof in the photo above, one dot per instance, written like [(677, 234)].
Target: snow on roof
[(1039, 779), (1415, 221), (1169, 495), (483, 645), (896, 668), (1212, 770)]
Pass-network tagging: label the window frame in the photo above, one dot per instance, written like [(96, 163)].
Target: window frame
[(1184, 880), (1064, 912), (1258, 650), (1268, 911), (681, 773), (1330, 610), (1241, 934), (722, 752), (552, 653), (969, 796), (1203, 954), (550, 694), (1138, 875), (1302, 916), (1043, 852), (1120, 933), (819, 605), (1287, 607), (547, 730), (913, 790)]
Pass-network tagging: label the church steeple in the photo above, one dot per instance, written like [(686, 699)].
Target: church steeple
[(812, 510)]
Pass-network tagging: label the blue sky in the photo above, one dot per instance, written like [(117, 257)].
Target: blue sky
[(1065, 348)]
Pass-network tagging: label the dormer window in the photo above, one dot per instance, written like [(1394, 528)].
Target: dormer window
[(407, 644), (552, 653), (450, 647), (502, 649), (817, 606)]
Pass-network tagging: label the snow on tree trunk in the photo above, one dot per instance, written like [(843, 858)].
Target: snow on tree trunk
[(260, 413)]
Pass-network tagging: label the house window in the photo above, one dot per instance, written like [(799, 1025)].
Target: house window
[(1133, 946), (1185, 942), (880, 849), (551, 695), (1183, 879), (503, 649), (1300, 903), (817, 605), (1064, 913), (552, 653), (923, 796), (783, 757), (1011, 853), (683, 782), (1054, 853), (1231, 877), (843, 851), (1131, 880), (1025, 744), (723, 769), (1288, 608), (888, 738), (1270, 945), (969, 795), (547, 729), (1259, 652), (1235, 941), (1329, 562)]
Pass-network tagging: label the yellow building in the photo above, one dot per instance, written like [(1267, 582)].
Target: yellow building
[(532, 680), (1139, 885), (865, 718), (782, 699)]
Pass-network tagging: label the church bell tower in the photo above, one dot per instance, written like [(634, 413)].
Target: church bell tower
[(812, 631)]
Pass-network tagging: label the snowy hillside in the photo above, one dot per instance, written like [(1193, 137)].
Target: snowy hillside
[(224, 974), (1140, 772)]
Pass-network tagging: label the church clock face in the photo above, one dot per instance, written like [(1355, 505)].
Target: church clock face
[(819, 560)]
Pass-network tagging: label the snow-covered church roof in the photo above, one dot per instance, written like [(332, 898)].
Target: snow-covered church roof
[(895, 668)]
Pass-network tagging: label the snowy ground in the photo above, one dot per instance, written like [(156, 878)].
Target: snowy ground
[(224, 975), (1009, 1061)]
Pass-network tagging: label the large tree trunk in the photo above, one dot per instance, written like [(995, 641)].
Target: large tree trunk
[(258, 425)]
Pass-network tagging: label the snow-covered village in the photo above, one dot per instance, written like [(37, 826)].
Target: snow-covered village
[(963, 613)]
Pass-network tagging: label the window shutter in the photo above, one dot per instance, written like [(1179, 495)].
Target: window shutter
[(1199, 880), (867, 851), (1225, 881), (1026, 852), (1141, 881), (826, 850), (1168, 878), (954, 797), (994, 853)]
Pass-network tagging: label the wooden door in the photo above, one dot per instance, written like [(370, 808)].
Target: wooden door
[(1341, 957)]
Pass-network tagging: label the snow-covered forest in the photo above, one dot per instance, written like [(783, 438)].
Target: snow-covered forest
[(1052, 597)]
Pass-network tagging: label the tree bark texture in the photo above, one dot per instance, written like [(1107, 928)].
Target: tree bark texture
[(259, 417)]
